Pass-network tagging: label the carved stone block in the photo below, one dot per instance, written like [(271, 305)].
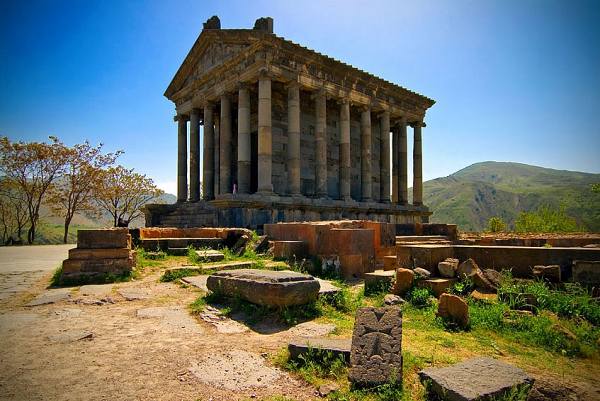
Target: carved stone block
[(376, 355)]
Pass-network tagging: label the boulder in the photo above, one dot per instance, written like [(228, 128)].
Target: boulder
[(481, 282), (468, 268), (437, 285), (453, 308), (404, 281), (240, 245), (550, 273), (391, 299), (265, 287), (493, 276), (338, 347), (422, 273), (448, 267), (480, 378), (262, 245)]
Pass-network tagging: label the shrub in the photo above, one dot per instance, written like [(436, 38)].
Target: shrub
[(419, 297), (547, 220), (496, 224), (176, 274)]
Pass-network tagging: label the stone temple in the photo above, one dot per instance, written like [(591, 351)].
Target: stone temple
[(288, 134)]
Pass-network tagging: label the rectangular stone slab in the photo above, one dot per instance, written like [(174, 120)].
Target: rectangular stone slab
[(478, 378), (265, 287), (376, 356), (337, 346), (99, 253), (103, 238)]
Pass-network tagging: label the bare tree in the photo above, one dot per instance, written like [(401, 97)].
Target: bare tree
[(123, 192), (33, 167), (74, 191)]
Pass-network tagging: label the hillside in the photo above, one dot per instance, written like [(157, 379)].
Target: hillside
[(472, 195)]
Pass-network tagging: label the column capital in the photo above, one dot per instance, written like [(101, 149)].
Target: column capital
[(242, 85), (196, 111), (264, 73), (398, 121), (292, 84), (321, 92), (181, 117), (417, 124), (384, 114)]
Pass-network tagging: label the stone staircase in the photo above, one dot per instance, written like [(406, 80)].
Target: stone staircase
[(406, 240)]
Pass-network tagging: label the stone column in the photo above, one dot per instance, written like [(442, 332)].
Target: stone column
[(345, 150), (384, 124), (194, 155), (208, 160), (402, 164), (244, 149), (395, 163), (217, 165), (417, 165), (265, 137), (293, 156), (182, 183), (365, 159), (321, 144), (225, 147)]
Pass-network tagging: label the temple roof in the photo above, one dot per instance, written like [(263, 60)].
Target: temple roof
[(251, 40)]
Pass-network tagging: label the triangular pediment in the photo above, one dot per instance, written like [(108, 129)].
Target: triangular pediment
[(212, 48)]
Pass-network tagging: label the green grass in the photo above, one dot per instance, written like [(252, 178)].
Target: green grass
[(176, 274), (58, 280)]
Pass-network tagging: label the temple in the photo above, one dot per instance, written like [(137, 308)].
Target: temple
[(288, 134)]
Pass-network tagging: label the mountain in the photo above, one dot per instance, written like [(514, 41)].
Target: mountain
[(472, 195)]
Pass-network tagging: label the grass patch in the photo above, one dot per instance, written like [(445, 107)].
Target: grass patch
[(58, 280), (176, 274)]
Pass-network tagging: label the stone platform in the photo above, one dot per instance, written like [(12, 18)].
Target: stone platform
[(255, 210)]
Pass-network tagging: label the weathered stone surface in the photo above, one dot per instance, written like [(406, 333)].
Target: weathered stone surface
[(484, 296), (240, 245), (550, 273), (264, 287), (50, 297), (422, 273), (103, 238), (197, 281), (71, 336), (481, 282), (480, 378), (262, 245), (494, 277), (437, 285), (390, 262), (468, 268), (404, 281), (337, 346), (376, 355), (99, 253), (379, 279), (453, 308), (391, 299), (210, 255), (133, 294), (328, 388), (115, 266), (586, 272), (290, 249), (550, 390), (326, 287), (448, 267), (98, 290)]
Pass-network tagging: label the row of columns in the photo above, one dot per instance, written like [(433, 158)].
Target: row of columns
[(222, 149)]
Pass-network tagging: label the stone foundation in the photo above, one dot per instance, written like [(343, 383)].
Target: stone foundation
[(254, 211)]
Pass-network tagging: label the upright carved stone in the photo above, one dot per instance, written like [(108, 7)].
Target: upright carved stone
[(321, 144), (265, 137), (182, 185), (376, 355), (365, 160), (403, 164), (209, 153), (384, 124), (293, 156), (417, 166), (244, 148), (225, 148), (194, 155), (345, 150)]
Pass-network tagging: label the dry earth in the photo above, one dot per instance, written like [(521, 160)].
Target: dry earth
[(135, 341)]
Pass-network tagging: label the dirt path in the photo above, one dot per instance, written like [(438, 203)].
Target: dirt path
[(102, 346)]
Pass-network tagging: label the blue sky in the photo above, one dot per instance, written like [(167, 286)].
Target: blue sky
[(513, 80)]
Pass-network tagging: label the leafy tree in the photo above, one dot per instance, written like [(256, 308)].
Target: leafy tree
[(596, 188), (32, 167), (546, 220), (496, 224), (74, 191), (13, 210), (123, 192)]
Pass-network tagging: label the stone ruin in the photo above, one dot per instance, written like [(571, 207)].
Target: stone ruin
[(99, 253)]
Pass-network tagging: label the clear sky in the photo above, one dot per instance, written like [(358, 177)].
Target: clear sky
[(513, 80)]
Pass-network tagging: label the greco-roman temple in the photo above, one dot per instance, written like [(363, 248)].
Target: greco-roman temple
[(288, 134)]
